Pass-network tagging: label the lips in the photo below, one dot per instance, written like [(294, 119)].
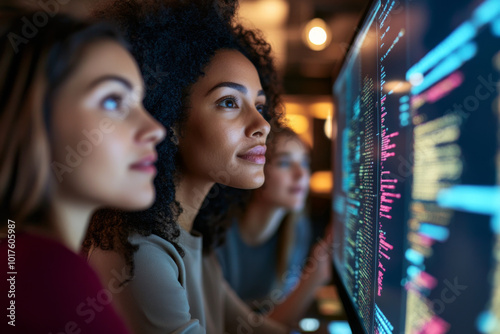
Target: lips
[(146, 164), (297, 190), (256, 155)]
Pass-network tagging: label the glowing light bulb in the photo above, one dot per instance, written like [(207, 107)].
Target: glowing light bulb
[(316, 35)]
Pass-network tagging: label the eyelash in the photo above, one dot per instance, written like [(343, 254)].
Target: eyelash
[(285, 163), (121, 107), (263, 106), (228, 98), (115, 97), (236, 102)]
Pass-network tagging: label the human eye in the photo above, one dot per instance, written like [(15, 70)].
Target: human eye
[(261, 108), (112, 102), (115, 103), (283, 163), (228, 102)]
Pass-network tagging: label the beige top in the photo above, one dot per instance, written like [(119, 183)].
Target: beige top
[(174, 294)]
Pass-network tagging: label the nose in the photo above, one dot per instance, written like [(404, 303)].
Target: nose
[(300, 171), (151, 130), (257, 127)]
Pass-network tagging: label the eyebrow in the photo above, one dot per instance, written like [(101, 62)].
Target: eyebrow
[(279, 155), (288, 154), (104, 78), (235, 86)]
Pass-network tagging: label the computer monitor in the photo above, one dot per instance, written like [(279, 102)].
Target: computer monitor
[(416, 199)]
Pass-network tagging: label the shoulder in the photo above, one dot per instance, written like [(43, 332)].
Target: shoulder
[(45, 269), (156, 252), (155, 256), (155, 297), (50, 258)]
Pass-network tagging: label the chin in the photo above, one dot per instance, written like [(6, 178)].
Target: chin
[(139, 201), (258, 181), (296, 206), (248, 182)]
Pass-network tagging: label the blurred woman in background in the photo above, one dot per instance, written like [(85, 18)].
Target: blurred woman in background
[(268, 242), (74, 137)]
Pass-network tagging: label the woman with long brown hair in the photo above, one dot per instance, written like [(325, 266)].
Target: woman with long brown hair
[(74, 137)]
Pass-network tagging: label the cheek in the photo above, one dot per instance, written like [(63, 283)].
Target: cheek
[(97, 170), (276, 184), (97, 160), (92, 155), (112, 156), (117, 184), (209, 151), (209, 148)]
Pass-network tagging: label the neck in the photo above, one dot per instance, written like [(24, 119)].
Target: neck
[(72, 218), (260, 222), (190, 193)]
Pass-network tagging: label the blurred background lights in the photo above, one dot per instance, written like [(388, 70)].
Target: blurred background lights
[(321, 182), (496, 61), (309, 324), (416, 79), (298, 123), (399, 87), (339, 327), (317, 35), (321, 110)]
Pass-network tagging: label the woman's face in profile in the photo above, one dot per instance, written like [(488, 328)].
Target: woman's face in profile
[(287, 174), (223, 139), (103, 139)]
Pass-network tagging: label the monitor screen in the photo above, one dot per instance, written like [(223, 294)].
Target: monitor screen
[(416, 199)]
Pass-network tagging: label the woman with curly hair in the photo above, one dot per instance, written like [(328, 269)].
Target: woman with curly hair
[(214, 85), (74, 137)]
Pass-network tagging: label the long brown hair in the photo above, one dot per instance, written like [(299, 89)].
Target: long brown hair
[(24, 146), (32, 67)]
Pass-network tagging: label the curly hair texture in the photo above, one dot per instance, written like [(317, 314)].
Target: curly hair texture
[(173, 41)]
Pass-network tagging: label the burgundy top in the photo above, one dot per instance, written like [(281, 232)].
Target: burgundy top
[(52, 290)]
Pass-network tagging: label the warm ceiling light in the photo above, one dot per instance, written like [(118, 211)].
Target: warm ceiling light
[(321, 182), (328, 128), (265, 13), (294, 108), (298, 123), (317, 35), (321, 110)]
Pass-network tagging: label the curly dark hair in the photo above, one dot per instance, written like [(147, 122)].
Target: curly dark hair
[(173, 41)]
